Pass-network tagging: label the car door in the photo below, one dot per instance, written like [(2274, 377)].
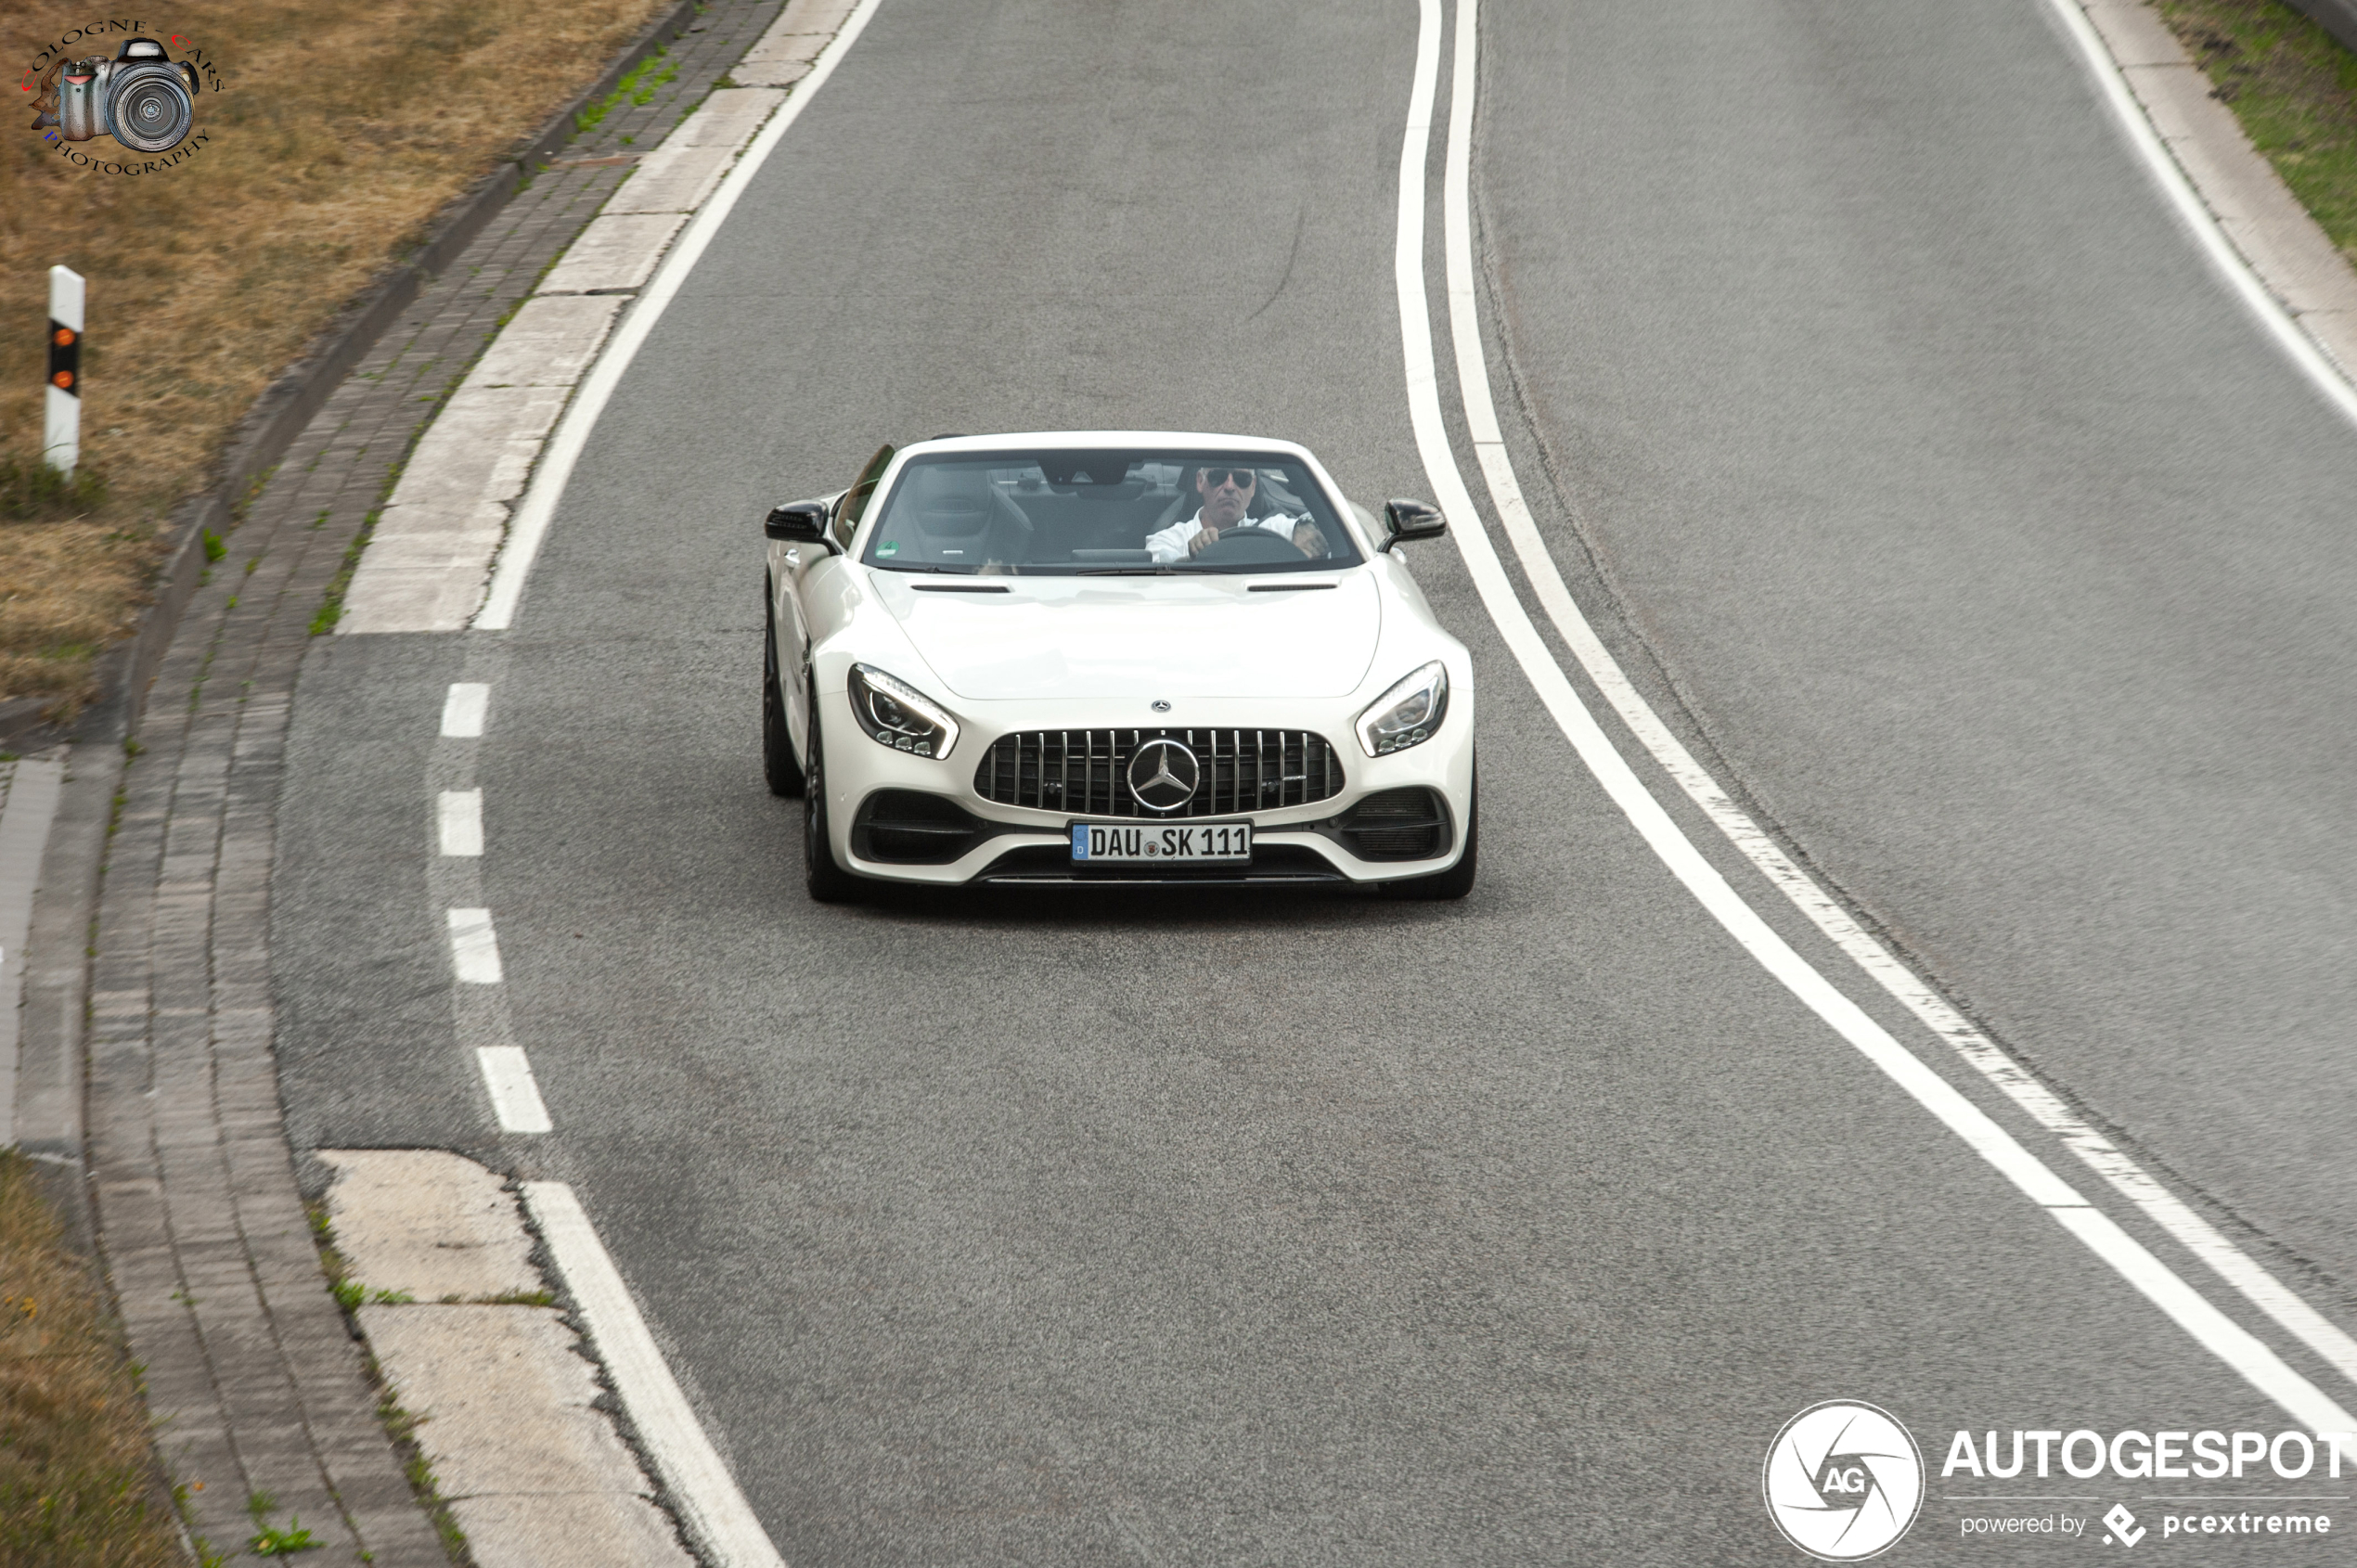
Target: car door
[(799, 574)]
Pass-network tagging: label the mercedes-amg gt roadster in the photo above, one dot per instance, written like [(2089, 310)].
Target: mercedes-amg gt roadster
[(1112, 657)]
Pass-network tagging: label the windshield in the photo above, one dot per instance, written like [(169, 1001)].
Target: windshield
[(1066, 513)]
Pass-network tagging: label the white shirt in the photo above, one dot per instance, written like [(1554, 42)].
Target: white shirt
[(1171, 543)]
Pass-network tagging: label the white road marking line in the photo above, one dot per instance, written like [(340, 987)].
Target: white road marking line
[(2043, 1106), (709, 1503), (564, 449), (463, 709), (2255, 1361), (515, 1094), (2196, 214), (474, 946), (460, 822)]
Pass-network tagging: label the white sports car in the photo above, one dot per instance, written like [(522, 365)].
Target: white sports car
[(1112, 657)]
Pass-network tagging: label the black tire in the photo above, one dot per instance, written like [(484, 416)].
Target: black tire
[(1457, 881), (830, 883), (777, 763)]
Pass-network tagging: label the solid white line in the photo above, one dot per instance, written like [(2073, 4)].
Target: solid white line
[(515, 1093), (2198, 218), (564, 449), (474, 946), (2043, 1106), (460, 822), (463, 709), (2246, 1355), (711, 1507)]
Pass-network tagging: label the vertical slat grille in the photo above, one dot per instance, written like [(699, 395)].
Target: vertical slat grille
[(1085, 772)]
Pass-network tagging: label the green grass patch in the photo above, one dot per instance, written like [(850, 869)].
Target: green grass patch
[(31, 491), (2294, 88), (637, 84)]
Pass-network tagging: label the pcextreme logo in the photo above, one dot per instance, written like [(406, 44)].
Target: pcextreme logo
[(112, 79), (1844, 1481)]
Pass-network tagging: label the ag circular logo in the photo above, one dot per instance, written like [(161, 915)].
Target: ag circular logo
[(1843, 1481)]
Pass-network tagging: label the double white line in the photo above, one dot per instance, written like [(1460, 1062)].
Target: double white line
[(2239, 1349)]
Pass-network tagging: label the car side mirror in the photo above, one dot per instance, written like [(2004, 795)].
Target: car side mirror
[(804, 521), (1412, 519)]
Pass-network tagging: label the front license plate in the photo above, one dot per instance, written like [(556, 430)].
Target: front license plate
[(1186, 842)]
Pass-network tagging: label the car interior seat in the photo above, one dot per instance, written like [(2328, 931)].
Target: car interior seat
[(963, 519)]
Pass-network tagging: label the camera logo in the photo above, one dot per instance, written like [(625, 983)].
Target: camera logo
[(138, 96), (1844, 1481)]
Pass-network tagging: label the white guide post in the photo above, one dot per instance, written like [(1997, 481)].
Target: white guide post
[(61, 442)]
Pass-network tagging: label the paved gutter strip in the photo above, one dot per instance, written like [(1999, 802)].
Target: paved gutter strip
[(189, 1192), (29, 789), (430, 558), (2257, 211), (501, 1390)]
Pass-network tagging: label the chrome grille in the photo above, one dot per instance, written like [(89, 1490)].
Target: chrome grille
[(1084, 771)]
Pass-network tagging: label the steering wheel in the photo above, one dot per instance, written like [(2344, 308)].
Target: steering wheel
[(1248, 547)]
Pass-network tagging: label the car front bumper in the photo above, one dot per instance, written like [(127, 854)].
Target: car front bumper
[(1017, 845)]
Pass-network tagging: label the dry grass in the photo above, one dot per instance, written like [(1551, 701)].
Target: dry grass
[(341, 129), (2294, 88), (75, 1488)]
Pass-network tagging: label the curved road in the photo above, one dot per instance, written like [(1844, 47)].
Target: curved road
[(1903, 450)]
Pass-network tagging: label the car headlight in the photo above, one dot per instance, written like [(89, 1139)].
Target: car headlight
[(896, 714), (1408, 715)]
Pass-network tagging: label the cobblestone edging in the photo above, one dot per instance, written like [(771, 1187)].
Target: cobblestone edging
[(253, 1374)]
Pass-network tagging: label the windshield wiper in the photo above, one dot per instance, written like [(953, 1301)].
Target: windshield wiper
[(941, 571), (1125, 571)]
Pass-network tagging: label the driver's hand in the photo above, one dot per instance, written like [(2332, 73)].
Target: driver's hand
[(1310, 541), (1205, 538)]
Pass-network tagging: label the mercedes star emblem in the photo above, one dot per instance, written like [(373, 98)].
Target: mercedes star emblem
[(1163, 775), (1160, 705)]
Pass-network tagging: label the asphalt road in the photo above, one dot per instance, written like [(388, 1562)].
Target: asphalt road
[(1903, 450)]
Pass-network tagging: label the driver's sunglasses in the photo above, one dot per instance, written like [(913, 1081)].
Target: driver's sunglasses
[(1242, 479)]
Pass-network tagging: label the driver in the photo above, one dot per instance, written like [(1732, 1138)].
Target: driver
[(1227, 493)]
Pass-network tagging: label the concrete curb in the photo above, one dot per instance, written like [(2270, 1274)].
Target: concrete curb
[(2283, 247), (287, 403), (2336, 17)]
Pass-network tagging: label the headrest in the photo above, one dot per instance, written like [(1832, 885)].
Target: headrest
[(950, 502)]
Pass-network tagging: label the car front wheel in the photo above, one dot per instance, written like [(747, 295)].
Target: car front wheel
[(830, 883), (778, 765)]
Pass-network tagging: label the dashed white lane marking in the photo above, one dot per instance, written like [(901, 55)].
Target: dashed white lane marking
[(2228, 1341), (459, 821), (515, 1095), (709, 1500), (2044, 1105), (565, 447), (463, 709), (474, 946)]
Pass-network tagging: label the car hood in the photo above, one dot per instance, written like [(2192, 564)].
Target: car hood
[(1139, 636)]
